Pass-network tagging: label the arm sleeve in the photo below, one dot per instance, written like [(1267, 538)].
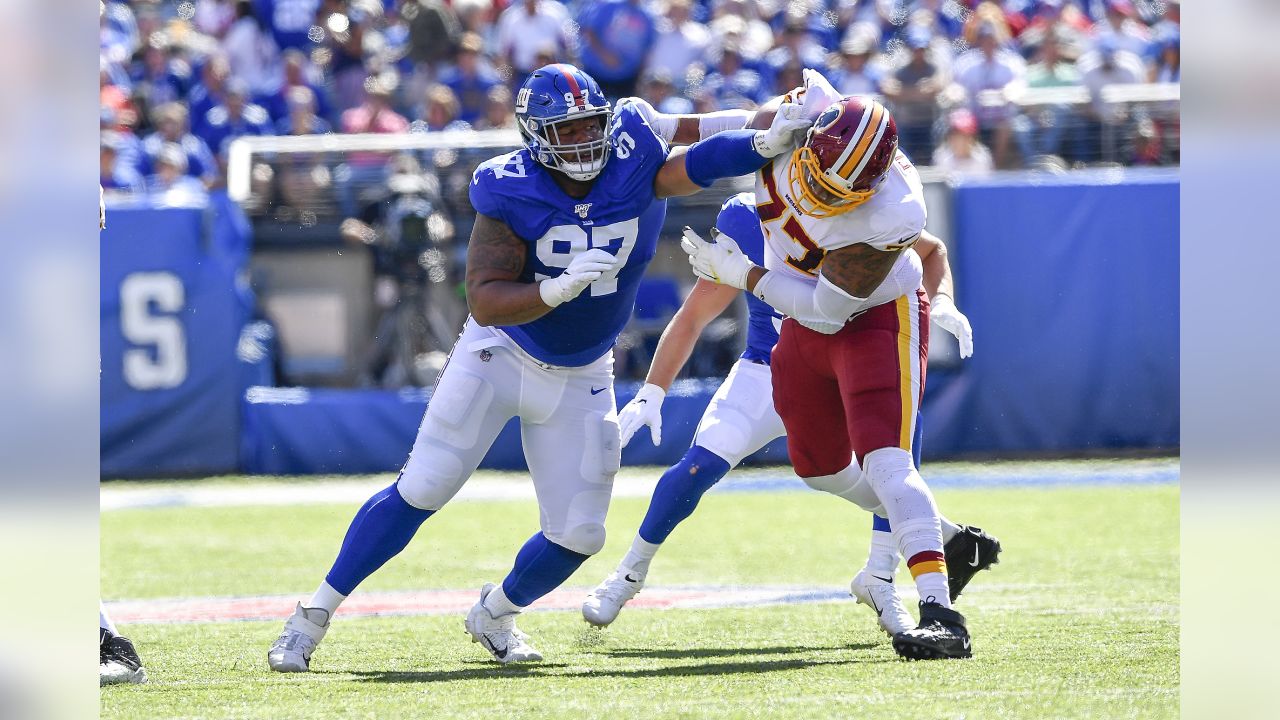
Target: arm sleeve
[(822, 307), (728, 154)]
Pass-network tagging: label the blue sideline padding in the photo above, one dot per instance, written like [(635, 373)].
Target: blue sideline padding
[(296, 431), (172, 312), (1071, 284)]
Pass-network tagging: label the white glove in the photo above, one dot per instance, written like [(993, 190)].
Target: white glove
[(644, 409), (102, 209), (944, 312), (582, 271), (721, 261), (788, 128), (818, 93)]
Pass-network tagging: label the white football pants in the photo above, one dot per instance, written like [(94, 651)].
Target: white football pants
[(740, 418), (568, 426)]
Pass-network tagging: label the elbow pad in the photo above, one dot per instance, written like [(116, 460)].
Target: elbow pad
[(823, 308)]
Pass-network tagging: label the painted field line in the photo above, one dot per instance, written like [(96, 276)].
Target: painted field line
[(454, 602), (632, 483)]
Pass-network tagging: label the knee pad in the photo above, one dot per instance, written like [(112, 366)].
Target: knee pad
[(431, 477), (850, 484), (887, 468), (585, 539)]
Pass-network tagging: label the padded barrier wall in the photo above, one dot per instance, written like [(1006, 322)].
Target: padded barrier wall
[(172, 313), (1071, 283)]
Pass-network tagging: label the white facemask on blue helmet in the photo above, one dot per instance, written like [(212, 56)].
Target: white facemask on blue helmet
[(558, 93)]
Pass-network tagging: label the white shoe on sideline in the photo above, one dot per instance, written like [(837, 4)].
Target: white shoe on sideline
[(882, 597), (605, 602), (303, 631), (499, 635)]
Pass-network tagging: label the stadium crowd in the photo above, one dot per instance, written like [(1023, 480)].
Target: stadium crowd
[(180, 79)]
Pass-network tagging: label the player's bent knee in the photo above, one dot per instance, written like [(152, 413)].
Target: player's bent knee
[(886, 468), (431, 478), (585, 539), (849, 484)]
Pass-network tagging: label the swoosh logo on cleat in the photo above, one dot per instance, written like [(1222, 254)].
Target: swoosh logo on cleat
[(974, 563), (597, 392), (888, 579), (500, 654), (630, 579)]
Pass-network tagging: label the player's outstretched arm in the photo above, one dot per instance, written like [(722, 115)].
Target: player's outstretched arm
[(729, 154), (495, 293)]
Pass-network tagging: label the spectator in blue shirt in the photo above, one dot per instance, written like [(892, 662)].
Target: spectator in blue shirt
[(289, 21), (234, 118), (295, 75), (301, 118), (113, 174), (210, 91), (616, 37), (171, 122), (159, 77), (470, 78), (733, 86)]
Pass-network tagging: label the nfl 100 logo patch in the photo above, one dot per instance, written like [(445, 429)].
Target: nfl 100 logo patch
[(582, 209)]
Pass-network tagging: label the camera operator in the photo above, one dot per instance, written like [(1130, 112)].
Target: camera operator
[(416, 277)]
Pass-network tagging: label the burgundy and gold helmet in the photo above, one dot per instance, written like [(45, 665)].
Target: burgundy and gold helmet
[(844, 158)]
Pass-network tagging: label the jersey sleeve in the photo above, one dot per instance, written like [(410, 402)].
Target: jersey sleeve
[(738, 220), (483, 193), (634, 138)]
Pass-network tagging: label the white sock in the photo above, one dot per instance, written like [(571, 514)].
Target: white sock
[(326, 598), (882, 560), (639, 556), (104, 620), (497, 603), (933, 587), (949, 530)]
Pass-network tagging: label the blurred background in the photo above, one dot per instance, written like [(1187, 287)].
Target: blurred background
[(288, 216)]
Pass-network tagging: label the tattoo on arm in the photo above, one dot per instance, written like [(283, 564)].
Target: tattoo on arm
[(494, 252), (858, 269)]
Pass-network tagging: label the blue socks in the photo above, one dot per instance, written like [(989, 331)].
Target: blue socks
[(541, 566), (380, 530), (679, 490)]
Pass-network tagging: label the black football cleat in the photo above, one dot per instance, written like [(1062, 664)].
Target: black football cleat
[(969, 552), (940, 636), (118, 661)]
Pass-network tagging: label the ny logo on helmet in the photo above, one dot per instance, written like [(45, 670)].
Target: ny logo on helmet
[(522, 100)]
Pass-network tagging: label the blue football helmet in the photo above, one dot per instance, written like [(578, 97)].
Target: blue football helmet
[(554, 94)]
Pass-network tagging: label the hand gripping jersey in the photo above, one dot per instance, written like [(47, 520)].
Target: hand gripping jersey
[(739, 221), (620, 214), (796, 243)]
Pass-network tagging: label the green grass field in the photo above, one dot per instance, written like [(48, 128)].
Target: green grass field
[(1080, 619)]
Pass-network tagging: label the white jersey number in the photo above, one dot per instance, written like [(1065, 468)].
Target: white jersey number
[(562, 243), (161, 362)]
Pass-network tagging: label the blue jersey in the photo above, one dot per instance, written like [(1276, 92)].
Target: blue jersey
[(738, 220), (620, 215)]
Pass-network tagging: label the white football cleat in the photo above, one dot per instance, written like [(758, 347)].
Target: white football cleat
[(605, 602), (882, 596), (499, 635), (303, 631)]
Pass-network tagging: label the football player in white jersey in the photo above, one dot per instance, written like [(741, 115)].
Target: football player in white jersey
[(839, 215), (740, 420)]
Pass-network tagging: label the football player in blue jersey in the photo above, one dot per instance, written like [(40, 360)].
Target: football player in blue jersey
[(741, 419), (564, 230)]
